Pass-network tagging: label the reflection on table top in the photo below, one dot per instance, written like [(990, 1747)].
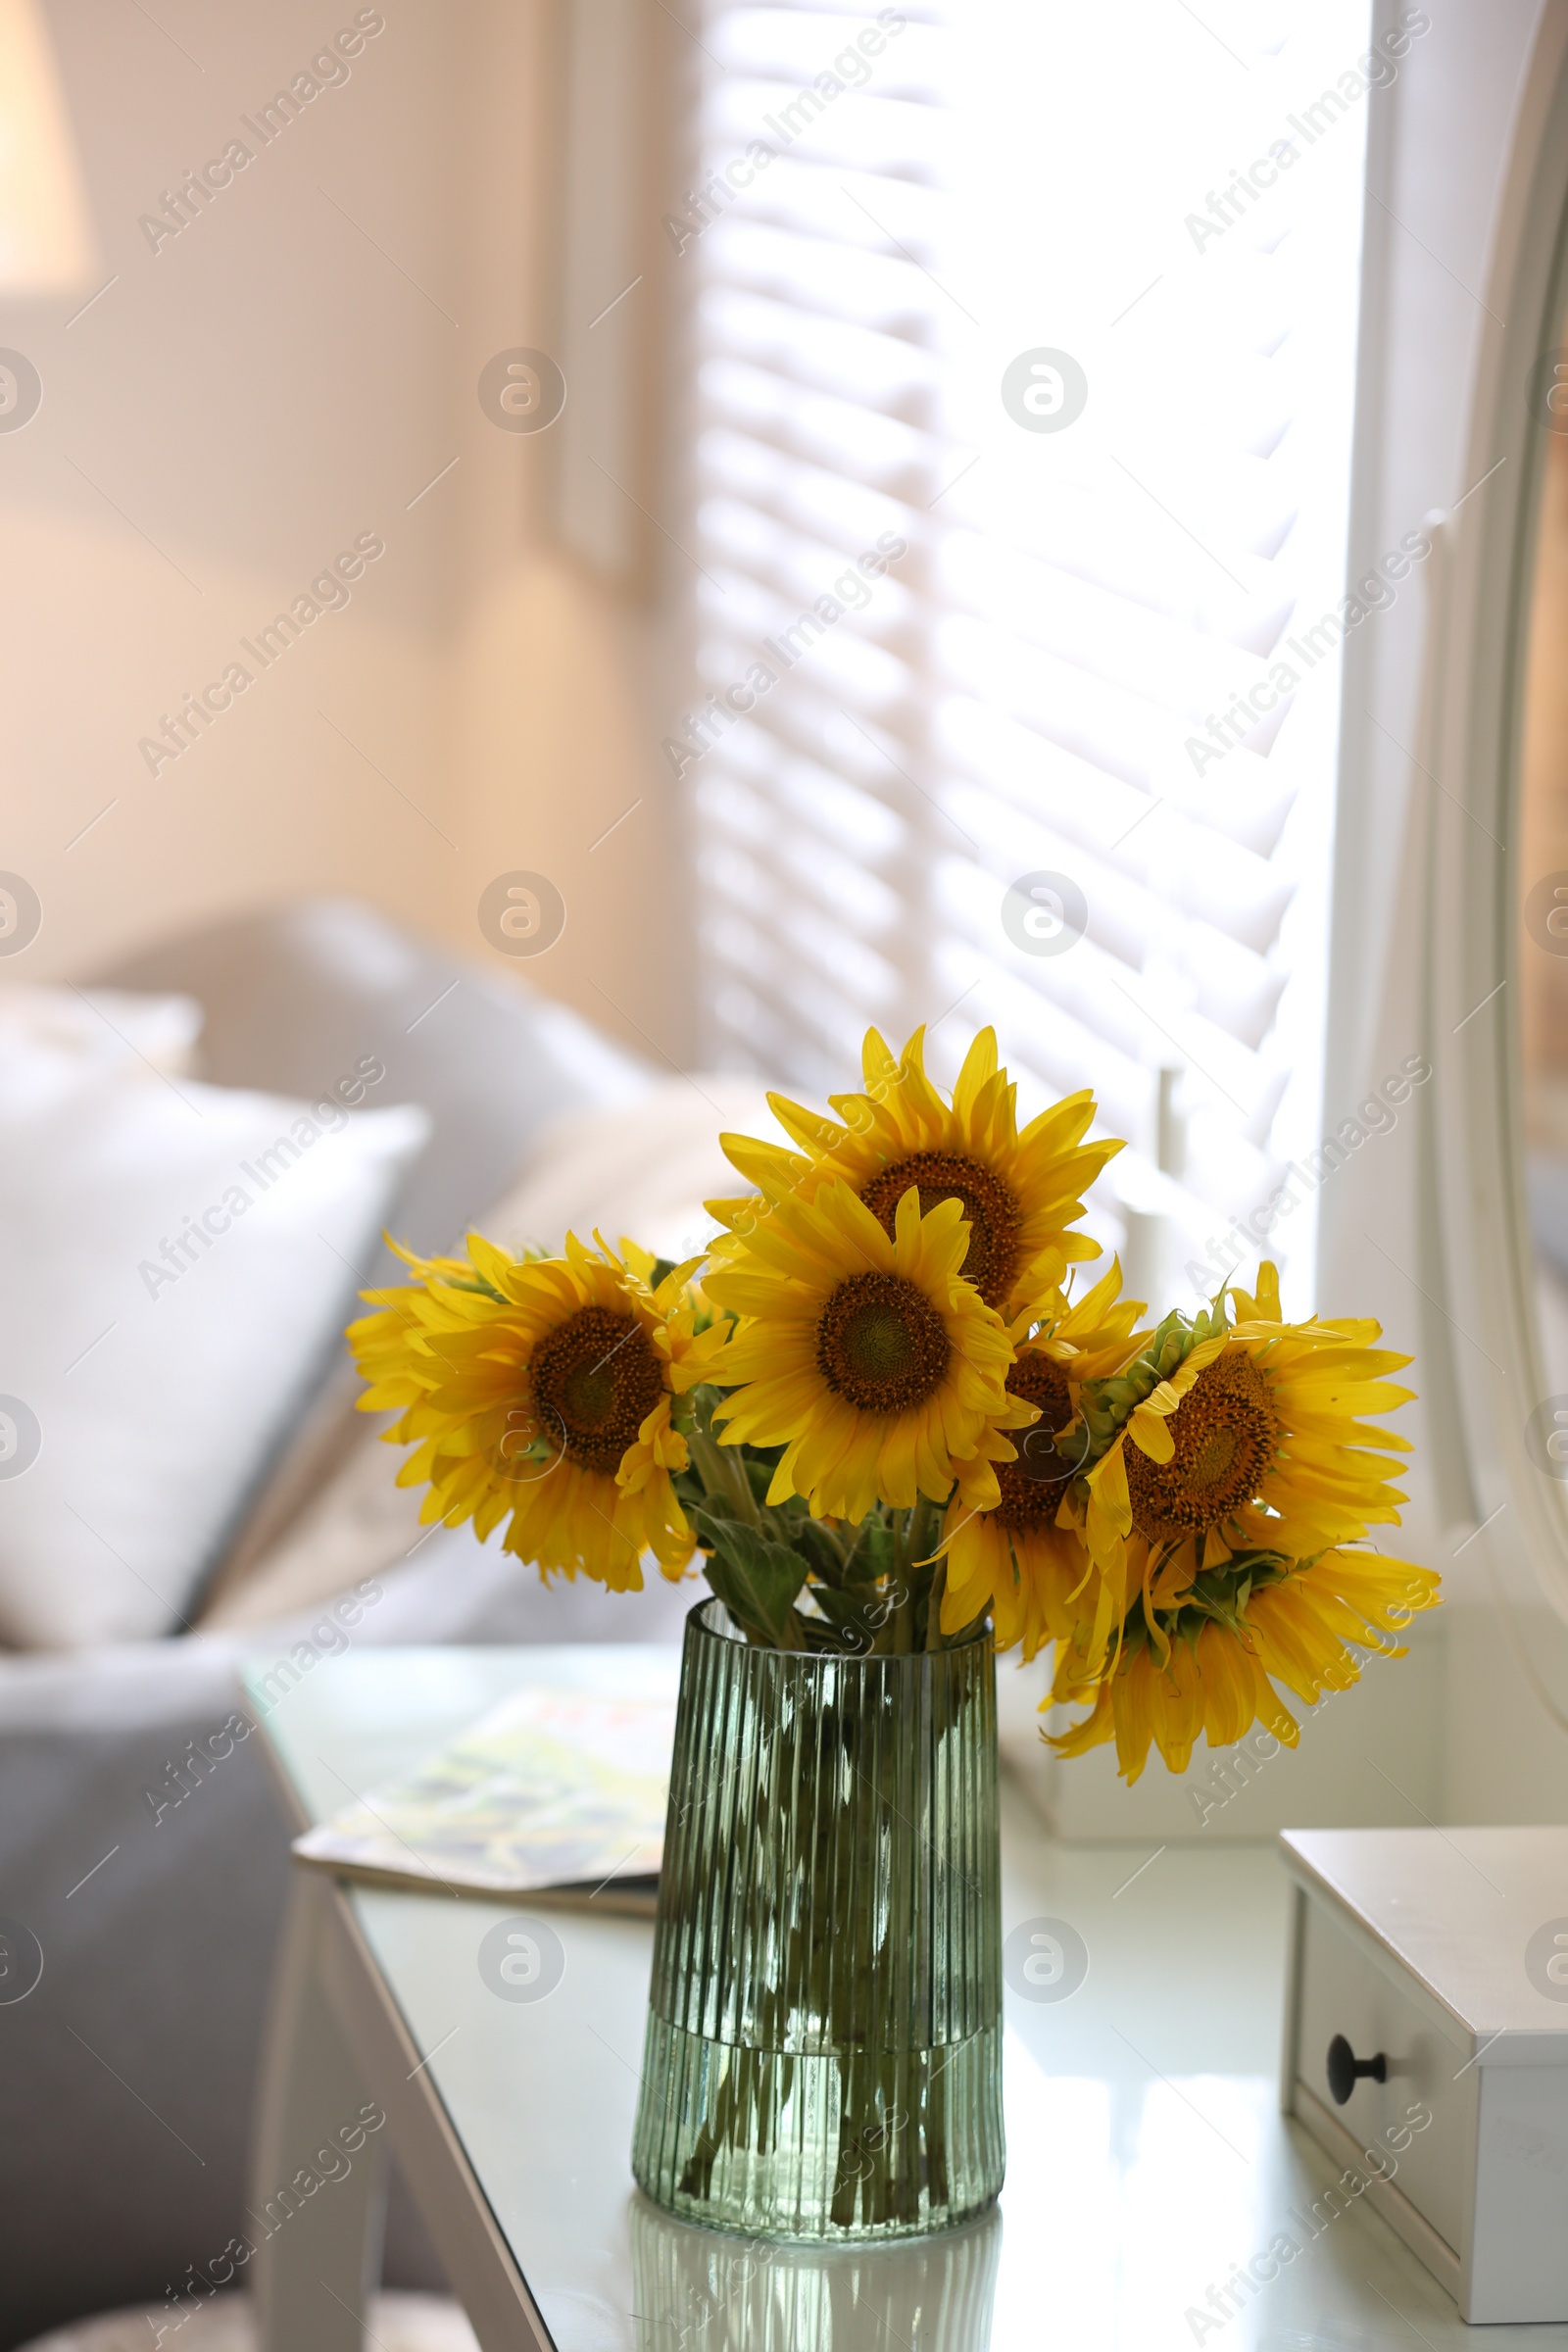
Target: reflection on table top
[(1147, 2155)]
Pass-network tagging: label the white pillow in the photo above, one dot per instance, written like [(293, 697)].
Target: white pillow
[(176, 1262), (53, 1039)]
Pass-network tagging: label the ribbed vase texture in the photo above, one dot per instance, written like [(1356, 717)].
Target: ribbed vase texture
[(824, 2032)]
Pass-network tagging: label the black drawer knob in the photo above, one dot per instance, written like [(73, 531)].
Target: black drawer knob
[(1345, 2069)]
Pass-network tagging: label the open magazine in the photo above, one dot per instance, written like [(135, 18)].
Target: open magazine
[(555, 1794)]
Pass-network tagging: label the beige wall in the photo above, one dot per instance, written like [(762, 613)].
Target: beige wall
[(231, 413)]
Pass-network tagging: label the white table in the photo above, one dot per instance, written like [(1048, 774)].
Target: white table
[(1146, 2154)]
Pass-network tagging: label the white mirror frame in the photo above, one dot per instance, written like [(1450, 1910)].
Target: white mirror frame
[(1470, 745)]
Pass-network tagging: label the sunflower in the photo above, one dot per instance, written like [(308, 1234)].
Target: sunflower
[(1230, 1436), (1015, 1559), (542, 1388), (1019, 1191), (1209, 1667), (1224, 1520), (869, 1359)]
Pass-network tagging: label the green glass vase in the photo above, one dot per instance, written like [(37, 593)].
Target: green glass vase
[(823, 2058)]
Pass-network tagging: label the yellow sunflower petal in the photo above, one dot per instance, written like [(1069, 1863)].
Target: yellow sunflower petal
[(527, 1399)]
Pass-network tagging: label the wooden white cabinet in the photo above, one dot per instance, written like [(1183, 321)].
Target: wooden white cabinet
[(1426, 2046)]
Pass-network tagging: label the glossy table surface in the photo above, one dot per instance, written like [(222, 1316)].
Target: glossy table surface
[(1146, 2154)]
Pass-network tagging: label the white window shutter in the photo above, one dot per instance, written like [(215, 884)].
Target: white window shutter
[(1050, 677)]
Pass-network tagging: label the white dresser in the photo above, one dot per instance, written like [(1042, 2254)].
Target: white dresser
[(1426, 2047)]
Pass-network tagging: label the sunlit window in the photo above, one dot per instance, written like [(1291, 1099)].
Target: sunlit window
[(1017, 495)]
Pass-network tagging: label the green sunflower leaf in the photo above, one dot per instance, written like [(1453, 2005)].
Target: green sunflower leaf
[(756, 1580), (823, 1555), (857, 1614), (873, 1552)]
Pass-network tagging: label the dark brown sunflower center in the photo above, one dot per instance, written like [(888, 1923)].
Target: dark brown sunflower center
[(881, 1344), (992, 1211), (1032, 1486), (1225, 1431), (597, 1379)]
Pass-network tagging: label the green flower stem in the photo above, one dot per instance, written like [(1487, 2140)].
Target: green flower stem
[(904, 1614), (935, 1638), (925, 1521), (889, 1555), (722, 1471)]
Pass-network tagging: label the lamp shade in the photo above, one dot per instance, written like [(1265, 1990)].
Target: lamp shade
[(46, 240)]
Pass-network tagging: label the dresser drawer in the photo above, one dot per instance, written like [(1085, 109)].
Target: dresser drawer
[(1418, 2127), (1425, 1953)]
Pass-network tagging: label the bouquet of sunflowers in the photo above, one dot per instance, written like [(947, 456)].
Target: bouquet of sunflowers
[(880, 1416)]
